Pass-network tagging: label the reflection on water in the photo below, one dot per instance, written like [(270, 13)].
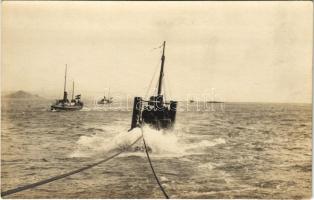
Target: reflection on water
[(241, 151)]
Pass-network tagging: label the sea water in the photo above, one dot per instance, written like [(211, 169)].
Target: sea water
[(234, 150)]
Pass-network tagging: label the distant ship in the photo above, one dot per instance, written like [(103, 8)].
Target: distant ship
[(214, 102), (66, 105), (191, 101), (105, 100), (155, 112)]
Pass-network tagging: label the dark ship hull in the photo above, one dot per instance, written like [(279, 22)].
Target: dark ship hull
[(154, 112), (103, 102), (149, 113)]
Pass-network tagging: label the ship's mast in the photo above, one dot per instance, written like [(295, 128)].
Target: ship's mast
[(73, 91), (65, 83), (161, 69), (65, 77)]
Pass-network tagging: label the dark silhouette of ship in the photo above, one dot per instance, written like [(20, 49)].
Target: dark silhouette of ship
[(214, 102), (155, 112), (66, 105)]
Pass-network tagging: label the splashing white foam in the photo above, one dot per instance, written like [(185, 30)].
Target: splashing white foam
[(165, 143), (161, 143), (101, 143)]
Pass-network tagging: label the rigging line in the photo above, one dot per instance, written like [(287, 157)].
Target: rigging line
[(164, 83), (156, 48), (169, 88), (151, 81), (33, 185), (151, 166), (156, 87), (146, 95)]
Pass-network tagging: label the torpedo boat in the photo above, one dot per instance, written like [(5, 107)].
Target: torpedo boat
[(155, 112)]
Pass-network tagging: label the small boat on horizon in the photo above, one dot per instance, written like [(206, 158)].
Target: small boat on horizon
[(106, 100), (64, 104), (214, 102)]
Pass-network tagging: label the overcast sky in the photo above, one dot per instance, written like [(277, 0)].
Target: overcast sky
[(243, 51)]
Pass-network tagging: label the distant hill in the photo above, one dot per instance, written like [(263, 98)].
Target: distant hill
[(22, 95)]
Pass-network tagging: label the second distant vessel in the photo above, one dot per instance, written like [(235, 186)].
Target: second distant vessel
[(66, 105), (106, 100)]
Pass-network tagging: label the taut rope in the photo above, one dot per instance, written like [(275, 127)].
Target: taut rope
[(151, 166), (32, 185)]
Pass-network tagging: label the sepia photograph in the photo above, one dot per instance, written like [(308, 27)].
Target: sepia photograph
[(156, 99)]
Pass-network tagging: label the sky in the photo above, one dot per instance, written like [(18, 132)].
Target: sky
[(235, 51)]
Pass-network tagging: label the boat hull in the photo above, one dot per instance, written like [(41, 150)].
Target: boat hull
[(161, 117), (158, 119), (66, 108)]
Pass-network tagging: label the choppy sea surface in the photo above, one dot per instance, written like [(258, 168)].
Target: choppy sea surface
[(234, 150)]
